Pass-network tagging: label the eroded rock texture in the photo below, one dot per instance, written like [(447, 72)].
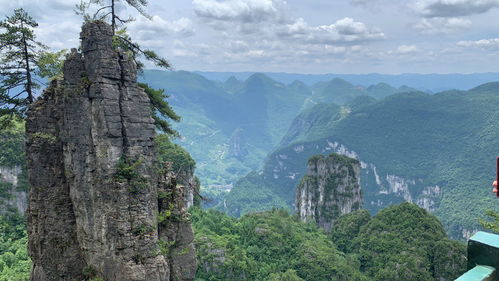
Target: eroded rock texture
[(175, 232), (93, 204), (330, 188)]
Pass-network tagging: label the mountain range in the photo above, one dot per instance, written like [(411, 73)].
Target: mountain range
[(425, 82), (436, 151), (433, 149), (229, 127)]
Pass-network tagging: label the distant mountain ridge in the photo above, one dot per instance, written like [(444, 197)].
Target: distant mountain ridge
[(424, 82)]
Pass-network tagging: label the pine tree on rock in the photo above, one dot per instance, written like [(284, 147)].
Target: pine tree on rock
[(161, 110)]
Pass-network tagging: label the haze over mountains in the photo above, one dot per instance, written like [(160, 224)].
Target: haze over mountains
[(229, 127), (415, 146), (425, 82)]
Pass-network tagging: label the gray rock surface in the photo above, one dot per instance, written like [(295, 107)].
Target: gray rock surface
[(330, 188), (93, 205), (175, 232)]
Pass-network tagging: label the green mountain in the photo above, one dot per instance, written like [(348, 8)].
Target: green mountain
[(229, 127), (340, 91), (437, 151)]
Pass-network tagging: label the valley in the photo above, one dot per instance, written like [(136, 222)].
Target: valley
[(413, 146)]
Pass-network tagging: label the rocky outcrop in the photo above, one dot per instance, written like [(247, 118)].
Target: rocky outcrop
[(330, 188), (190, 185), (381, 189), (175, 233), (94, 200)]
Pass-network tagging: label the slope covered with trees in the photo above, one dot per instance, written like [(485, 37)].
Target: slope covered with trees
[(229, 127), (436, 150), (402, 242)]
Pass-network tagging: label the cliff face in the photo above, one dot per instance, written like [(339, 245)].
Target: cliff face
[(330, 188), (190, 185), (93, 204)]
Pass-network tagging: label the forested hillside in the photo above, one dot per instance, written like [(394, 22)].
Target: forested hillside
[(434, 150), (14, 261), (229, 127), (402, 242)]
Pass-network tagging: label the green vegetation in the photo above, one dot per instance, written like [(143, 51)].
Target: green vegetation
[(402, 242), (15, 264), (250, 196), (128, 171), (50, 64), (161, 110), (492, 223), (12, 155), (266, 246), (45, 137), (21, 58), (346, 228), (257, 110), (12, 145), (18, 59), (171, 152), (448, 139)]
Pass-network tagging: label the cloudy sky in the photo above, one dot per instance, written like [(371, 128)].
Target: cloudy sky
[(300, 36)]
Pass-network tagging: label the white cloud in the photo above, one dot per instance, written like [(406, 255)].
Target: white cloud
[(406, 49), (492, 43), (60, 35), (261, 31), (344, 31), (237, 46), (266, 19), (453, 8), (157, 28), (247, 11), (435, 26)]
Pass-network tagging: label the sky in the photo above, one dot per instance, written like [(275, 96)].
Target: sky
[(298, 36)]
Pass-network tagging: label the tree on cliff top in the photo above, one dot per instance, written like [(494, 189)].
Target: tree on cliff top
[(22, 59), (161, 110), (121, 38), (110, 11)]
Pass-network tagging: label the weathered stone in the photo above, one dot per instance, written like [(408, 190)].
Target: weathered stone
[(330, 188), (85, 219), (175, 230)]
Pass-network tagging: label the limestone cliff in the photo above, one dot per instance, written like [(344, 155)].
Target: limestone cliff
[(191, 186), (330, 188), (94, 204)]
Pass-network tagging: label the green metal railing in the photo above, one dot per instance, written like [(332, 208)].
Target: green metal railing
[(483, 258)]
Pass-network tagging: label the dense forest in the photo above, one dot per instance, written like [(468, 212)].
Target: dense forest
[(402, 242)]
